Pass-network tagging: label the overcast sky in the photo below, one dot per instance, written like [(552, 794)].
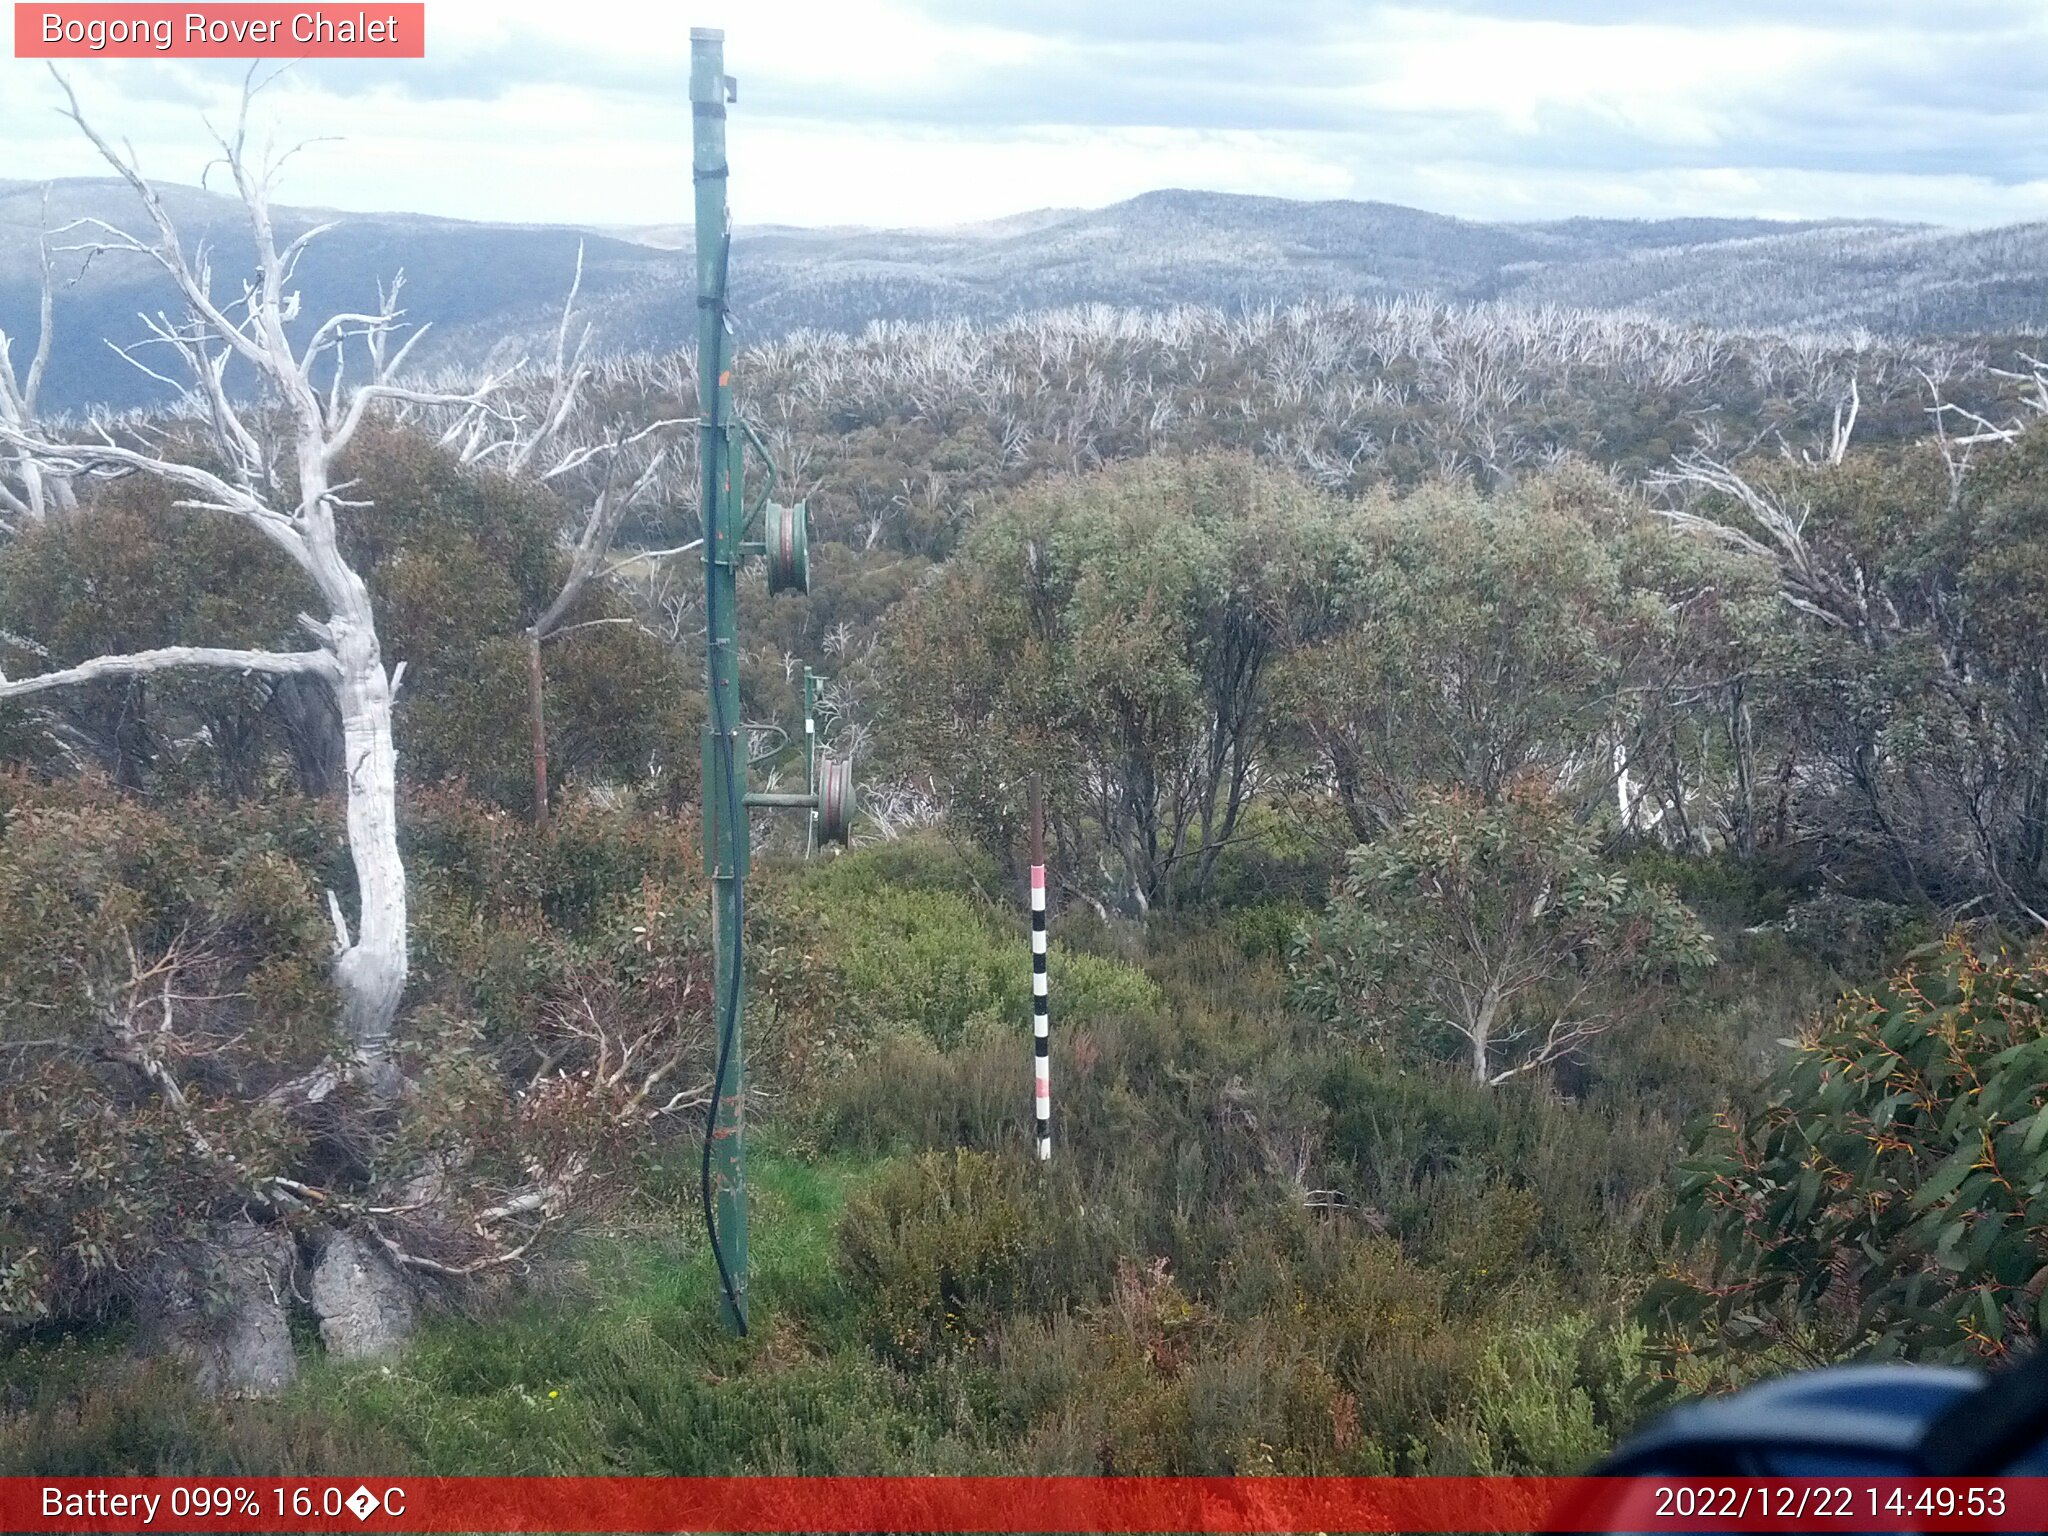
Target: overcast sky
[(921, 112)]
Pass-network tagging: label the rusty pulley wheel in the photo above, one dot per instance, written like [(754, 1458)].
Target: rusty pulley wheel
[(836, 804), (787, 533)]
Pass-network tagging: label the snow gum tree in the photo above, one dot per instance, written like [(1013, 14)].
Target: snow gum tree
[(268, 457), (1493, 926)]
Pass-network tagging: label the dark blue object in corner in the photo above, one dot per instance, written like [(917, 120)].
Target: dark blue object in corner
[(1847, 1419)]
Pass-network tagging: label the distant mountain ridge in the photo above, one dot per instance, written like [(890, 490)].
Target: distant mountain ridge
[(483, 283)]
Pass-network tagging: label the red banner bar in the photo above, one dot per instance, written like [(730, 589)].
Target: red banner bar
[(377, 30), (1015, 1504)]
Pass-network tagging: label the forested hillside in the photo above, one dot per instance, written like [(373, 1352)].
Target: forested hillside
[(492, 290), (1548, 822)]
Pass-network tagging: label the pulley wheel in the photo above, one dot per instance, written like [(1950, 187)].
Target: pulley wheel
[(836, 804), (787, 533)]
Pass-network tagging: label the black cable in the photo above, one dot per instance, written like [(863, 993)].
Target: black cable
[(725, 1039), (735, 808)]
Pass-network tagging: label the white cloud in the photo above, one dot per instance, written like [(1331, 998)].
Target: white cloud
[(1477, 191), (935, 111), (1668, 83), (897, 178)]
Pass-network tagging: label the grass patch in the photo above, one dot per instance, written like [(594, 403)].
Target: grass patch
[(621, 1367), (1163, 1298)]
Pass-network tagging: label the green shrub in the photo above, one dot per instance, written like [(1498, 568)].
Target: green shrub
[(929, 961), (157, 979), (83, 1412), (1726, 889), (1092, 988), (459, 564), (1533, 1413), (906, 1093), (1154, 1380), (1852, 935), (1269, 860), (1490, 1179), (131, 572), (1493, 931), (925, 963), (1265, 930), (494, 862), (921, 861), (1884, 1197), (937, 1251)]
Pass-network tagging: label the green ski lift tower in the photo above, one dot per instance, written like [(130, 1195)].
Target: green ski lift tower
[(784, 543)]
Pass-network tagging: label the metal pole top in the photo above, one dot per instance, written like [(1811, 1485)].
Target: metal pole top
[(710, 86)]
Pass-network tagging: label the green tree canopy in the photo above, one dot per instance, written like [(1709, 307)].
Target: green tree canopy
[(1491, 924), (1114, 631), (1477, 639), (1890, 1196), (458, 563)]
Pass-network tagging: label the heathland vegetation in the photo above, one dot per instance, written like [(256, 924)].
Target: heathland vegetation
[(1549, 827)]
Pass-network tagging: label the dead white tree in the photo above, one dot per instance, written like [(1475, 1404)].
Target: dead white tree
[(1845, 423), (27, 493), (606, 469), (1977, 428), (894, 807), (1775, 532), (625, 1060), (277, 460)]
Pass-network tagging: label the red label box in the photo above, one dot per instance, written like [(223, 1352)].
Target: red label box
[(217, 31), (1252, 1506)]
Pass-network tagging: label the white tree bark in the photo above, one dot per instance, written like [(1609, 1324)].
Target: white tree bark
[(312, 426), (27, 494), (316, 663)]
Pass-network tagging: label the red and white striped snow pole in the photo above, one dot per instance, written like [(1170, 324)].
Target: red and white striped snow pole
[(1041, 1018)]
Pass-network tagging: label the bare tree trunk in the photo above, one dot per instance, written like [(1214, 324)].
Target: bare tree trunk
[(370, 967), (1741, 740), (371, 971), (1480, 1034), (1781, 813), (1686, 840), (26, 489), (536, 705), (589, 462)]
